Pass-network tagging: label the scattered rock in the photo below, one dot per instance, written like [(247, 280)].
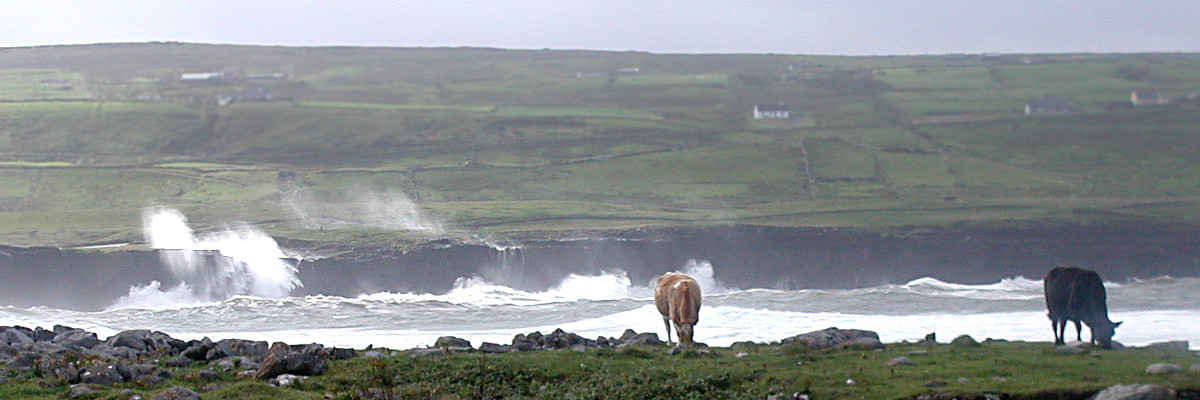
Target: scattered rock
[(452, 342), (205, 375), (198, 349), (42, 335), (741, 354), (237, 362), (1162, 368), (286, 380), (176, 393), (80, 390), (15, 336), (965, 341), (1072, 348), (831, 337), (76, 339), (1195, 368), (135, 339), (418, 353), (864, 343), (489, 347), (340, 353), (918, 353), (1174, 345), (631, 338), (376, 354), (1136, 392), (105, 374), (634, 351), (900, 361), (178, 362), (283, 359)]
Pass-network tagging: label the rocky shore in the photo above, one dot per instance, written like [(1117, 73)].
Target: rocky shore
[(78, 358)]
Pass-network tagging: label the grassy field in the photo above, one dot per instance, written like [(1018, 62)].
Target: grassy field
[(468, 136), (997, 368)]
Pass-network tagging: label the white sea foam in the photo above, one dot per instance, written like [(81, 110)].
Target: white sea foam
[(722, 326), (605, 304)]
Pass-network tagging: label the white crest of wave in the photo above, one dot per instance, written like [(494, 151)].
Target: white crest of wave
[(607, 285), (152, 296), (1014, 288), (211, 267)]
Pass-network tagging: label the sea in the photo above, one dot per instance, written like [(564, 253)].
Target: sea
[(248, 296)]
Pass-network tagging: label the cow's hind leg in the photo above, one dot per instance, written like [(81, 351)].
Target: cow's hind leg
[(667, 322), (1078, 331), (1058, 332)]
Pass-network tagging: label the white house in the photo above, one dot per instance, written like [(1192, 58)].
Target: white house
[(1047, 105), (1146, 97), (200, 77), (771, 111)]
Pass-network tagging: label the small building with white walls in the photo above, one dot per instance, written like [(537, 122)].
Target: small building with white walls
[(771, 111)]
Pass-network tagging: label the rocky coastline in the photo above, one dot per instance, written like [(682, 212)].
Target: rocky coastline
[(87, 364)]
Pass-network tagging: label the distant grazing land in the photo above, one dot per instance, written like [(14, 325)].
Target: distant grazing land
[(339, 144)]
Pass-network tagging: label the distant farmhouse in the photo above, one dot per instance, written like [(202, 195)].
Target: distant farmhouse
[(771, 111), (265, 78), (61, 84), (1146, 97), (201, 77), (1047, 105), (243, 95)]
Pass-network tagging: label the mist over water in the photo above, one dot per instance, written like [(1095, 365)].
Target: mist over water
[(212, 267), (360, 206)]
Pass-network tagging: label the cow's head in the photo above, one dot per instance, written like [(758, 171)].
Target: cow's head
[(1103, 332), (685, 334)]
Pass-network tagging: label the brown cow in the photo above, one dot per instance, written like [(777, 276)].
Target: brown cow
[(678, 299), (1078, 295)]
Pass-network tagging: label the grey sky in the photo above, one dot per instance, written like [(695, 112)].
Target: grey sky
[(853, 27)]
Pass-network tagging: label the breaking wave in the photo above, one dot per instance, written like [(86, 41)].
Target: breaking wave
[(236, 261)]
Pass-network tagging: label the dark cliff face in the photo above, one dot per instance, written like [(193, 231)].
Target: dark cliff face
[(743, 257)]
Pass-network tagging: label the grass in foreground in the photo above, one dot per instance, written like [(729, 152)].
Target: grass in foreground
[(1006, 369)]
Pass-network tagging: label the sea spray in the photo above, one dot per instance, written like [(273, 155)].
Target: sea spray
[(704, 274), (357, 207), (509, 268), (216, 266)]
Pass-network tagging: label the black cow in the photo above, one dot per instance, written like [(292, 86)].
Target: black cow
[(1074, 294)]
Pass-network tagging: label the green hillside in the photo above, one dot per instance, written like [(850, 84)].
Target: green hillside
[(339, 143)]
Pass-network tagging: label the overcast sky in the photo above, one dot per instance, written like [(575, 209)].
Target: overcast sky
[(853, 27)]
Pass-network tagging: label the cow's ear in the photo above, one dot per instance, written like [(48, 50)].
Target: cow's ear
[(1116, 324)]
